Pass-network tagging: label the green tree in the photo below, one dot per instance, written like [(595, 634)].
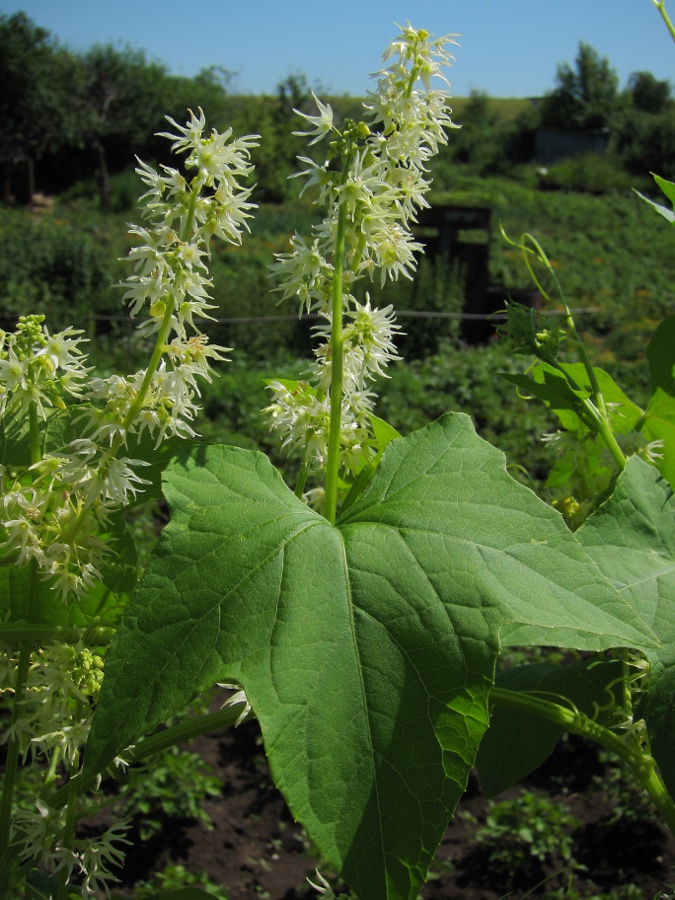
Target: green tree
[(649, 94), (585, 96), (121, 100), (646, 142), (34, 115), (645, 133), (483, 138)]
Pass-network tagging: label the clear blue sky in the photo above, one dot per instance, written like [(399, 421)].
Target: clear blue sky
[(509, 48)]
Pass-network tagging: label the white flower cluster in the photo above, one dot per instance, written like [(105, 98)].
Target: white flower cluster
[(374, 178), (61, 685), (89, 858), (62, 682), (55, 508)]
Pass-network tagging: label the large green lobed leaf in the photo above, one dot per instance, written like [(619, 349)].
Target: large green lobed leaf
[(366, 649)]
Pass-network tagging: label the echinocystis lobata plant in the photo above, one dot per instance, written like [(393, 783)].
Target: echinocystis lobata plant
[(360, 612)]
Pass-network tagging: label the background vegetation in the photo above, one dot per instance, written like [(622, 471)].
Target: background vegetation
[(76, 121)]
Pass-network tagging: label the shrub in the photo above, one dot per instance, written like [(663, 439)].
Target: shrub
[(594, 173)]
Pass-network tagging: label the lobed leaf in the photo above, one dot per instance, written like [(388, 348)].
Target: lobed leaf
[(367, 649)]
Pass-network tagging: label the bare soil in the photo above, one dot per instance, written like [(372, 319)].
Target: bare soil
[(256, 851)]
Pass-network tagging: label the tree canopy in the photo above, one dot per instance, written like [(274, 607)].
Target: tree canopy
[(586, 95)]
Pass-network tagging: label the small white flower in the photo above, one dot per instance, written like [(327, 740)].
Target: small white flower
[(321, 124)]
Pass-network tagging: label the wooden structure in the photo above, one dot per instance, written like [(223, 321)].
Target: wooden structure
[(461, 234)]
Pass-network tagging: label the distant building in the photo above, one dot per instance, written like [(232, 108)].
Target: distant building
[(553, 144)]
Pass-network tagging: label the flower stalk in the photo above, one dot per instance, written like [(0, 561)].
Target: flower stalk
[(337, 360)]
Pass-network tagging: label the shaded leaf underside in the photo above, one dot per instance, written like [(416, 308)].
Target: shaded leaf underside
[(632, 539)]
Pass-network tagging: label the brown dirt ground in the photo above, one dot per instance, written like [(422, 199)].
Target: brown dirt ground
[(257, 852)]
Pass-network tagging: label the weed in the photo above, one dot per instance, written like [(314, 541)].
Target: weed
[(173, 785), (173, 877), (525, 829)]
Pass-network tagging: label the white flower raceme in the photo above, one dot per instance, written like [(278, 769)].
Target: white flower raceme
[(54, 510), (373, 181)]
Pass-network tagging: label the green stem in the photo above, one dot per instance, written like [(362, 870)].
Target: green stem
[(642, 764), (302, 477), (51, 773), (13, 749), (68, 838), (661, 6), (157, 353), (337, 357), (607, 434), (133, 411), (34, 434), (16, 632), (596, 406)]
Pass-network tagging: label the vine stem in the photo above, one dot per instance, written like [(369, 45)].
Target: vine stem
[(595, 407), (661, 6), (156, 743), (642, 764)]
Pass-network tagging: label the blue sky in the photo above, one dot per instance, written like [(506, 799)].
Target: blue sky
[(509, 48)]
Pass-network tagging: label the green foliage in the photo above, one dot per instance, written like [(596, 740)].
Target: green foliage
[(483, 138), (631, 538), (49, 266), (171, 785), (167, 885), (462, 378), (630, 803), (33, 111), (596, 173), (646, 141), (516, 743), (438, 288), (648, 93), (627, 892), (367, 648), (585, 96), (528, 829)]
